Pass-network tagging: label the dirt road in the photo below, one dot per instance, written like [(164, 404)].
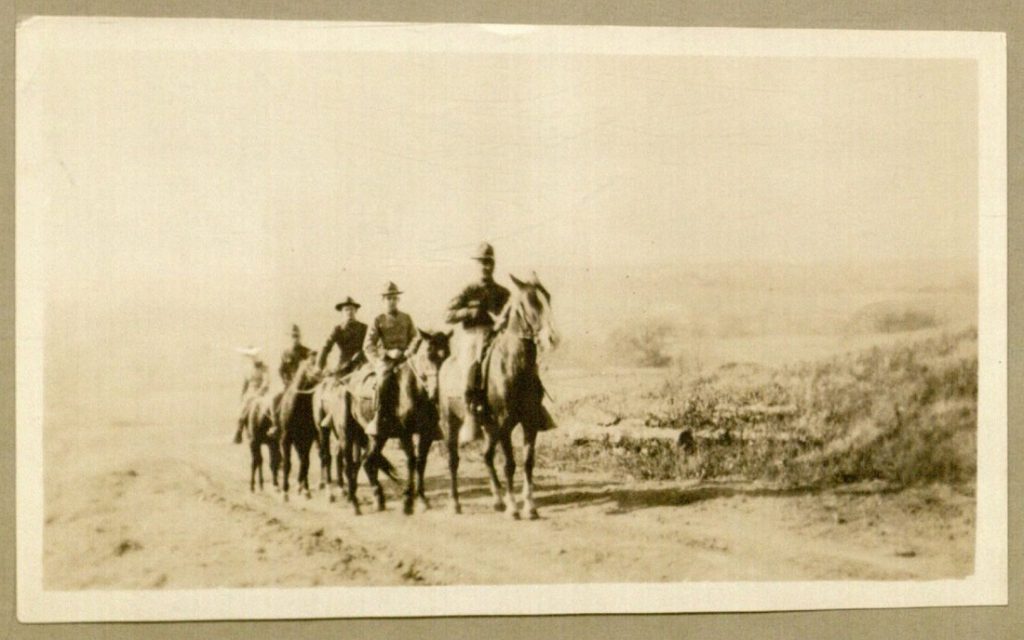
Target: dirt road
[(147, 506)]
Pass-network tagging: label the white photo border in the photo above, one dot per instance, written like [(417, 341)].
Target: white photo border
[(987, 586)]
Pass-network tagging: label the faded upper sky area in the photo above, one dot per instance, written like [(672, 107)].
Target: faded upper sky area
[(285, 176), (211, 162)]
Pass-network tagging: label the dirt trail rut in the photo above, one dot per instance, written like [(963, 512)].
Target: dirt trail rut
[(154, 513)]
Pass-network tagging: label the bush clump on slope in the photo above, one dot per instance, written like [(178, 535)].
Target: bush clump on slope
[(903, 415)]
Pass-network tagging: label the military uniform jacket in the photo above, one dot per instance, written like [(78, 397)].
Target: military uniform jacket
[(291, 359), (349, 340), (473, 306), (389, 332)]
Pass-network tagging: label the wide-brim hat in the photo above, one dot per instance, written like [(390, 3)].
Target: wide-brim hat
[(249, 352), (392, 290), (484, 252), (347, 302)]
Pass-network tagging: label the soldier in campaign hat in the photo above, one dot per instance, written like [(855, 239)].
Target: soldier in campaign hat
[(348, 337), (391, 338), (473, 308), (293, 356)]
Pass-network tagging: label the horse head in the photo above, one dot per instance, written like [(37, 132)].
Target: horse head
[(433, 350), (529, 312)]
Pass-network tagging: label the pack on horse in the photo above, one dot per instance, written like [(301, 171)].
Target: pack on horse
[(259, 423), (295, 424), (333, 415), (409, 409), (512, 391)]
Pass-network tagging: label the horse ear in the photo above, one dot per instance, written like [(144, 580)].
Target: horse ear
[(516, 281), (450, 333), (536, 280), (424, 334)]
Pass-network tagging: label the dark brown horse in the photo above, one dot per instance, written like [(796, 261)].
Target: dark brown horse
[(514, 394), (296, 425), (413, 393), (259, 421)]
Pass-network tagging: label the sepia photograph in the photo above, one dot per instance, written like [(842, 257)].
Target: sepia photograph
[(354, 319)]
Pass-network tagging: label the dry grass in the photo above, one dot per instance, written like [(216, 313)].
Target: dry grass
[(903, 415)]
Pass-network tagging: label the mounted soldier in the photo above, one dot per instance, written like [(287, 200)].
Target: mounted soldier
[(348, 337), (291, 359), (292, 356), (256, 384), (389, 341), (474, 309)]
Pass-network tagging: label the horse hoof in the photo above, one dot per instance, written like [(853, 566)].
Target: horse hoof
[(455, 509), (514, 514), (499, 506), (309, 496), (321, 486), (331, 498), (407, 509), (284, 496), (424, 504), (534, 515)]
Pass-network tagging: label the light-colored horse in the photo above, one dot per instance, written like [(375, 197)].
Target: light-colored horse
[(259, 421), (413, 394), (513, 389)]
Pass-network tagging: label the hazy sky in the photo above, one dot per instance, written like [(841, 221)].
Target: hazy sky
[(219, 173), (213, 162)]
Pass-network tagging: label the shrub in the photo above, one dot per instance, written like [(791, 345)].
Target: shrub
[(903, 414)]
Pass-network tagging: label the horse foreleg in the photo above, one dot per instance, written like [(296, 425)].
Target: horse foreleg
[(410, 482), (323, 448), (529, 452), (510, 472), (305, 448), (339, 472), (423, 450), (286, 464), (257, 464), (254, 450), (492, 444), (352, 459), (376, 444), (453, 473), (275, 462)]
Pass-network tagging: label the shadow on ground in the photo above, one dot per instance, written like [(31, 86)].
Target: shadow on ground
[(624, 496)]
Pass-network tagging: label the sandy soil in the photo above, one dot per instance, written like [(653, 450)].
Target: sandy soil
[(151, 506)]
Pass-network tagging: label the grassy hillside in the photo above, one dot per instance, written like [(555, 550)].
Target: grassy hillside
[(903, 414)]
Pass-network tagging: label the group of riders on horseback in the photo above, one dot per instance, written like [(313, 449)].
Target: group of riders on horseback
[(393, 380)]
